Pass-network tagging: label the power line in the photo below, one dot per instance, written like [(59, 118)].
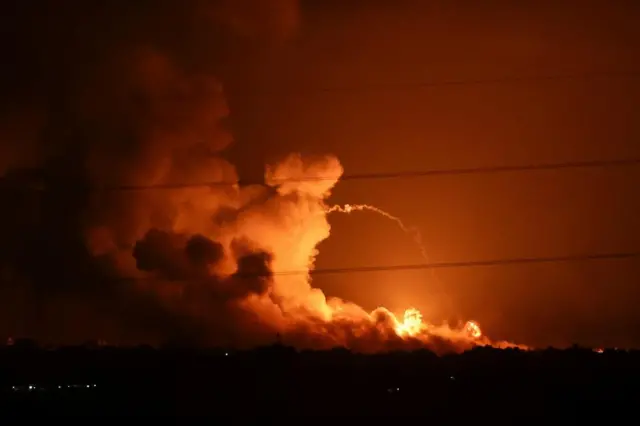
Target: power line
[(437, 265), (362, 176), (475, 264), (497, 169), (513, 79)]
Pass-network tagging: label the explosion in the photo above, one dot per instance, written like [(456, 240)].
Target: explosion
[(258, 260), (236, 260), (412, 323), (220, 264)]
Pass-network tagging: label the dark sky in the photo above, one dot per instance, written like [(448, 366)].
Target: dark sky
[(345, 78)]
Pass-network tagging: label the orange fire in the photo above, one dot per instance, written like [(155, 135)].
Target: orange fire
[(412, 327), (412, 323), (316, 320), (473, 329)]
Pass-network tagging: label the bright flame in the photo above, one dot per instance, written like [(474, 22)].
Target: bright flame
[(412, 324), (473, 329)]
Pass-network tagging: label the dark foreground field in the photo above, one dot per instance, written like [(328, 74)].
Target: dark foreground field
[(278, 382)]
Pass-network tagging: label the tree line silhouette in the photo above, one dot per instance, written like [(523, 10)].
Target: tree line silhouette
[(278, 381)]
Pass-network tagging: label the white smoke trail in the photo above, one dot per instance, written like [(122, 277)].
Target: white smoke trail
[(412, 231)]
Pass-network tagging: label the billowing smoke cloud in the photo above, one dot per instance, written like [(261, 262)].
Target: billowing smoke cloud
[(116, 93), (258, 268), (217, 264)]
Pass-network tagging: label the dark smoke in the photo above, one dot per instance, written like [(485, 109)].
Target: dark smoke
[(177, 257), (184, 266), (117, 93), (160, 251)]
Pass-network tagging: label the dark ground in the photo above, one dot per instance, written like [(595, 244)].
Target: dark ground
[(279, 382)]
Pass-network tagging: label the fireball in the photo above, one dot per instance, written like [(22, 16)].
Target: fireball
[(412, 323)]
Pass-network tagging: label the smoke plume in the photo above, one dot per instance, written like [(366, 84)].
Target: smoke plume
[(106, 223)]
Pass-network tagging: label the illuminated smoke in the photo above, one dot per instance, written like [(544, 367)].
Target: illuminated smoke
[(200, 263), (213, 255), (289, 223)]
